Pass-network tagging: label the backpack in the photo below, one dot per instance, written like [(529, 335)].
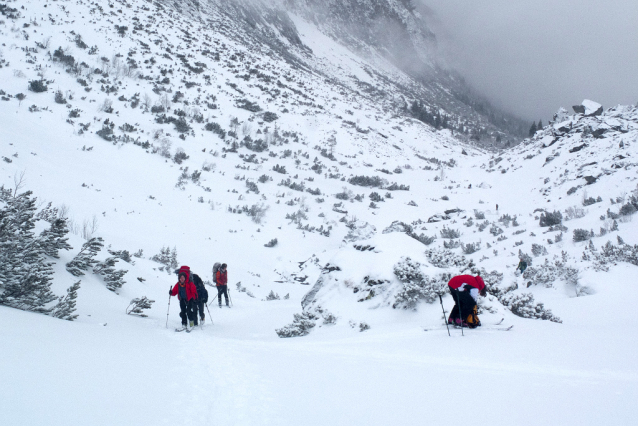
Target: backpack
[(216, 267), (201, 289), (472, 319)]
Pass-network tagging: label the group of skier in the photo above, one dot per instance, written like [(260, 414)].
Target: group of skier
[(193, 296)]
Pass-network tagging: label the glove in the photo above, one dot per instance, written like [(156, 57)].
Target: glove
[(170, 292)]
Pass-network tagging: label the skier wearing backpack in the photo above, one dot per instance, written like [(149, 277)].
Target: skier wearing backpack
[(202, 298), (187, 294), (522, 265), (465, 290), (221, 281)]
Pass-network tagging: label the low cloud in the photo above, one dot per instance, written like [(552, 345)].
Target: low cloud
[(531, 57)]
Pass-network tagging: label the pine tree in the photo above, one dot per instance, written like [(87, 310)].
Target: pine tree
[(25, 276), (113, 278), (532, 130), (66, 304), (86, 257), (540, 125), (137, 305), (54, 238)]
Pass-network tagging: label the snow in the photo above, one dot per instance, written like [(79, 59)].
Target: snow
[(110, 368)]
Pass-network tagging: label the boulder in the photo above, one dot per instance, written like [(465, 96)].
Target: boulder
[(588, 108)]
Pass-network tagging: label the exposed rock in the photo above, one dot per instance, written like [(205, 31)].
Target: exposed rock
[(588, 108)]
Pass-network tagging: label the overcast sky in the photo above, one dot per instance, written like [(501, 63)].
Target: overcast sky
[(532, 57)]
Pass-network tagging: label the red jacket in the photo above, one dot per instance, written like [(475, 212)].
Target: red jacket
[(459, 280), (191, 290), (221, 278)]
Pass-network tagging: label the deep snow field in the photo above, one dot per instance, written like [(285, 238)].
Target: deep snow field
[(109, 368)]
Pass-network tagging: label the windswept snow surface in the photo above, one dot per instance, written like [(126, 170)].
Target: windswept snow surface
[(109, 368)]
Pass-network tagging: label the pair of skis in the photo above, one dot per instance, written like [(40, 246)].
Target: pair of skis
[(441, 327), (189, 329)]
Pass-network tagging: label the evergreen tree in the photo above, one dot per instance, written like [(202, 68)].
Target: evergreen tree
[(113, 278), (532, 130), (54, 238), (86, 257), (540, 125), (66, 304), (25, 276), (137, 306)]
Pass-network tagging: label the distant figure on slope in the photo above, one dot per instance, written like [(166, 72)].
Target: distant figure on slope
[(187, 294), (522, 265), (202, 298), (221, 281), (465, 290)]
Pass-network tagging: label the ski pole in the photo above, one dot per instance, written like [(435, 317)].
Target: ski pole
[(169, 307), (444, 318), (460, 311), (230, 298), (211, 317)]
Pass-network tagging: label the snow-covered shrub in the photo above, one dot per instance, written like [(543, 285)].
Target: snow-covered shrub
[(301, 325), (113, 278), (370, 181), (416, 286), (442, 258), (479, 215), (495, 230), (65, 307), (168, 258), (25, 275), (450, 233), (582, 235), (272, 243), (38, 86), (363, 326), (550, 219), (137, 306), (86, 257), (523, 305), (611, 254), (272, 296), (538, 250), (54, 239), (574, 212), (470, 247), (451, 244)]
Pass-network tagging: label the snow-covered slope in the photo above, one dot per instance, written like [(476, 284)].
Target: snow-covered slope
[(282, 153)]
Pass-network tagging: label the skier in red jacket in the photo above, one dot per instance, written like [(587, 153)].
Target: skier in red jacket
[(465, 290), (187, 294), (221, 281)]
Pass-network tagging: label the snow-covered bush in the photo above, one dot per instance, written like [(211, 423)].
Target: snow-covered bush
[(137, 306), (470, 247), (523, 305), (25, 275), (574, 212), (582, 235), (113, 278), (496, 230), (86, 257), (538, 250), (272, 296), (301, 325), (442, 258), (168, 258), (65, 307), (416, 286), (550, 219), (449, 233)]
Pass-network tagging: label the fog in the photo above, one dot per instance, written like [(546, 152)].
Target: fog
[(532, 57)]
